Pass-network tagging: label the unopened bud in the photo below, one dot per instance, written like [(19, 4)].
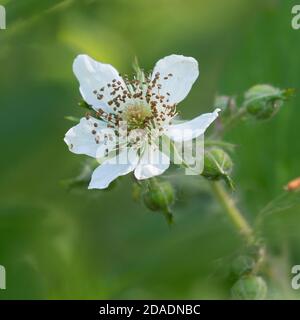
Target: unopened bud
[(217, 164), (159, 197), (263, 101), (249, 287)]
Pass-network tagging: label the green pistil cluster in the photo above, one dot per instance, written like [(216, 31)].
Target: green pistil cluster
[(137, 116)]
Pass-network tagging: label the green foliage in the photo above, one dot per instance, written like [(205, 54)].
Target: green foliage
[(58, 244)]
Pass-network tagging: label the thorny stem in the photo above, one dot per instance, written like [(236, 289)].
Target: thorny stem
[(233, 212), (263, 258)]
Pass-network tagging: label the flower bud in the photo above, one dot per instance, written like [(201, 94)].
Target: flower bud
[(263, 101), (217, 164), (159, 197), (249, 287)]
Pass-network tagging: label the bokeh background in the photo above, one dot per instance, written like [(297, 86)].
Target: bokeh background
[(63, 244)]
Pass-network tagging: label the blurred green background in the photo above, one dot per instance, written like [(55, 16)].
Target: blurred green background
[(97, 244)]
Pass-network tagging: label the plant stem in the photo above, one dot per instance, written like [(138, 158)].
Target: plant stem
[(233, 212), (231, 122)]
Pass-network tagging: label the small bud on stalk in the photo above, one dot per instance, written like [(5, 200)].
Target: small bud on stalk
[(263, 101), (217, 165), (249, 287), (159, 196)]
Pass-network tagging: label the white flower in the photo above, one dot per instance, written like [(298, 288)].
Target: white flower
[(130, 117)]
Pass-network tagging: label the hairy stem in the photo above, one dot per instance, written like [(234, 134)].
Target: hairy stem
[(233, 212)]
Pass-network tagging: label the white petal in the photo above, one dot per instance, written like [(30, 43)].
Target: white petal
[(81, 139), (184, 71), (191, 129), (112, 168), (93, 75), (152, 163)]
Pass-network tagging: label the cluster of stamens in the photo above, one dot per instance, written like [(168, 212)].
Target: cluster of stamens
[(137, 103)]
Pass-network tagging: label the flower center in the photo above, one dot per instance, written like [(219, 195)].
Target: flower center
[(137, 116)]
